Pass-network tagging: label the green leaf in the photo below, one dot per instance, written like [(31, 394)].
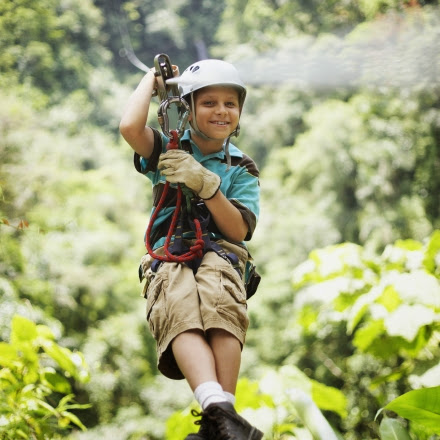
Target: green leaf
[(74, 419), (22, 434), (62, 356), (7, 355), (329, 398), (7, 376), (356, 317), (65, 401), (181, 423), (433, 249), (421, 406), (393, 376), (390, 299), (249, 396), (23, 330), (409, 245), (50, 409), (392, 429), (366, 335), (307, 317), (57, 382), (45, 332)]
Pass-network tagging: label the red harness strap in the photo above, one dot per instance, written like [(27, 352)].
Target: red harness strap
[(195, 251)]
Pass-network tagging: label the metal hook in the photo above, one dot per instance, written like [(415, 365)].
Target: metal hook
[(162, 115)]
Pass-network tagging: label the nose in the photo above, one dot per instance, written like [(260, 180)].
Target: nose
[(221, 109)]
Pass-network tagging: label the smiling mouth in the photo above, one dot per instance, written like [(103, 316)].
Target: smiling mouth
[(219, 123)]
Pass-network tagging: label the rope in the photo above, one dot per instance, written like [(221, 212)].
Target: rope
[(126, 41), (195, 251)]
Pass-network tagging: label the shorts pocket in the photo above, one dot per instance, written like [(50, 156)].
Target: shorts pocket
[(232, 300), (233, 285), (156, 316)]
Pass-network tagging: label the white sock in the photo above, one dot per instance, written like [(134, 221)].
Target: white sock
[(209, 392), (230, 397)]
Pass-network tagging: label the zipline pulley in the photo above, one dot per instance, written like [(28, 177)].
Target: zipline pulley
[(168, 95)]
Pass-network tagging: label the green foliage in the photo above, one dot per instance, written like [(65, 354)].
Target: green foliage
[(50, 44), (389, 305), (392, 429), (371, 183), (35, 384), (53, 53), (264, 22), (421, 407)]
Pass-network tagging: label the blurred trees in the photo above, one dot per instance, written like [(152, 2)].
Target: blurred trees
[(51, 45), (347, 138)]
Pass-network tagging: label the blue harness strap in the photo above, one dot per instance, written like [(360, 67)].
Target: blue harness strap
[(178, 247), (200, 212)]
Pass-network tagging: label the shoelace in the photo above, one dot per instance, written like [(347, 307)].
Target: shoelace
[(223, 430), (225, 434), (203, 422)]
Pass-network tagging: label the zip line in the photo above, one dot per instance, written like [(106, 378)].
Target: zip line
[(126, 41)]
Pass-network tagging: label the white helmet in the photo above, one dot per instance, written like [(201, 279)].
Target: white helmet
[(207, 73)]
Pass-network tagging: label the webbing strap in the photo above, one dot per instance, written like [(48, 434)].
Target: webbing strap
[(179, 248)]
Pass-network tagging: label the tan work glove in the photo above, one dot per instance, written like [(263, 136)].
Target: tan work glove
[(178, 166)]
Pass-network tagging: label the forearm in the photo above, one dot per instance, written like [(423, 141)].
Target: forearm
[(227, 217), (134, 119)]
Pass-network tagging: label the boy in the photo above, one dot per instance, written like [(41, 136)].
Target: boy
[(198, 315)]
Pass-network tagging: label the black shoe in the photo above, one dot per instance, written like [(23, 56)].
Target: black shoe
[(229, 425), (207, 429)]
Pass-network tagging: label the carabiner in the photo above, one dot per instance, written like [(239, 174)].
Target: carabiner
[(163, 119)]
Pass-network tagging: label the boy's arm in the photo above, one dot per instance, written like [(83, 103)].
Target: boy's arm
[(134, 119), (227, 217)]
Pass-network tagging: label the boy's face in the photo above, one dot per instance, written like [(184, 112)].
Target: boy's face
[(217, 111)]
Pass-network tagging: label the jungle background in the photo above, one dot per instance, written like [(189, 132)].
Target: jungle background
[(343, 119)]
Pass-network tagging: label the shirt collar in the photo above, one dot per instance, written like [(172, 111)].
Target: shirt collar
[(233, 150)]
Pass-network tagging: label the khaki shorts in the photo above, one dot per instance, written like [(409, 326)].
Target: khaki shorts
[(178, 301)]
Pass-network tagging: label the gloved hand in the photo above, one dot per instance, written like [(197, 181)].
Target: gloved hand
[(178, 166)]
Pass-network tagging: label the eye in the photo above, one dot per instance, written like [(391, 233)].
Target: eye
[(231, 104)]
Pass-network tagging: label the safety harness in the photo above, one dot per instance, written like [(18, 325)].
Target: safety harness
[(193, 210), (197, 216)]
